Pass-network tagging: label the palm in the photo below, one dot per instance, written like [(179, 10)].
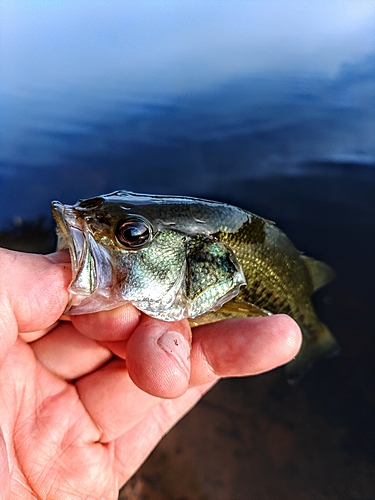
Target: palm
[(56, 451), (53, 436)]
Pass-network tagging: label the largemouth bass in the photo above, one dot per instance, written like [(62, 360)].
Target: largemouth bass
[(177, 257)]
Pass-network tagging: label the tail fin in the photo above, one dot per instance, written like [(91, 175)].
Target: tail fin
[(313, 348)]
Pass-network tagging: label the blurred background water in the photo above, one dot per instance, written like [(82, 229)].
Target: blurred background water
[(269, 105)]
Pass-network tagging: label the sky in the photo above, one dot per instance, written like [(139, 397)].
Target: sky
[(175, 46)]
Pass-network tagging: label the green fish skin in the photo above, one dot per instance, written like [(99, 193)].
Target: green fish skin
[(179, 257)]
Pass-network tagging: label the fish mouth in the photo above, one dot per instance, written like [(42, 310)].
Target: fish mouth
[(91, 267)]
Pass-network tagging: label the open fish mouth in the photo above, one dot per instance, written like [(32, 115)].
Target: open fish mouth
[(91, 264)]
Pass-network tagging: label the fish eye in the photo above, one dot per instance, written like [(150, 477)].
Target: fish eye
[(133, 233)]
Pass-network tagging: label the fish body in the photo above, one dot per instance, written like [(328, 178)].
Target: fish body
[(178, 257)]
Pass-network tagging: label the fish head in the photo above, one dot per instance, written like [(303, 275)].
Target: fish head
[(159, 253)]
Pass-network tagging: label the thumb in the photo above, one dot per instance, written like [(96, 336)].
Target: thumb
[(33, 293)]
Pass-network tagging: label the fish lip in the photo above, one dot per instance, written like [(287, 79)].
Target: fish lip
[(73, 235), (93, 279), (68, 239)]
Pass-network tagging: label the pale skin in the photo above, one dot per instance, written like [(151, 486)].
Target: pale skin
[(84, 402)]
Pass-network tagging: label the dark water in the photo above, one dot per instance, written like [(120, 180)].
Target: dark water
[(192, 144), (291, 141)]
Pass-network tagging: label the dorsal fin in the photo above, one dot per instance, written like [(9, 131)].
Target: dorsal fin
[(320, 273)]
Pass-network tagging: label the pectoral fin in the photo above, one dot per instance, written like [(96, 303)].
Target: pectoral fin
[(231, 309), (240, 308)]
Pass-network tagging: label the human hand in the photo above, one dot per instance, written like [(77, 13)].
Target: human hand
[(76, 419)]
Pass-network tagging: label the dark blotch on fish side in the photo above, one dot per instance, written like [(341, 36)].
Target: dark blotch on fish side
[(253, 232)]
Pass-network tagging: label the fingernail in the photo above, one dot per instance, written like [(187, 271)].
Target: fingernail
[(175, 344)]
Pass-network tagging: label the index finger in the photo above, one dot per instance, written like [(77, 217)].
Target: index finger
[(33, 293)]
